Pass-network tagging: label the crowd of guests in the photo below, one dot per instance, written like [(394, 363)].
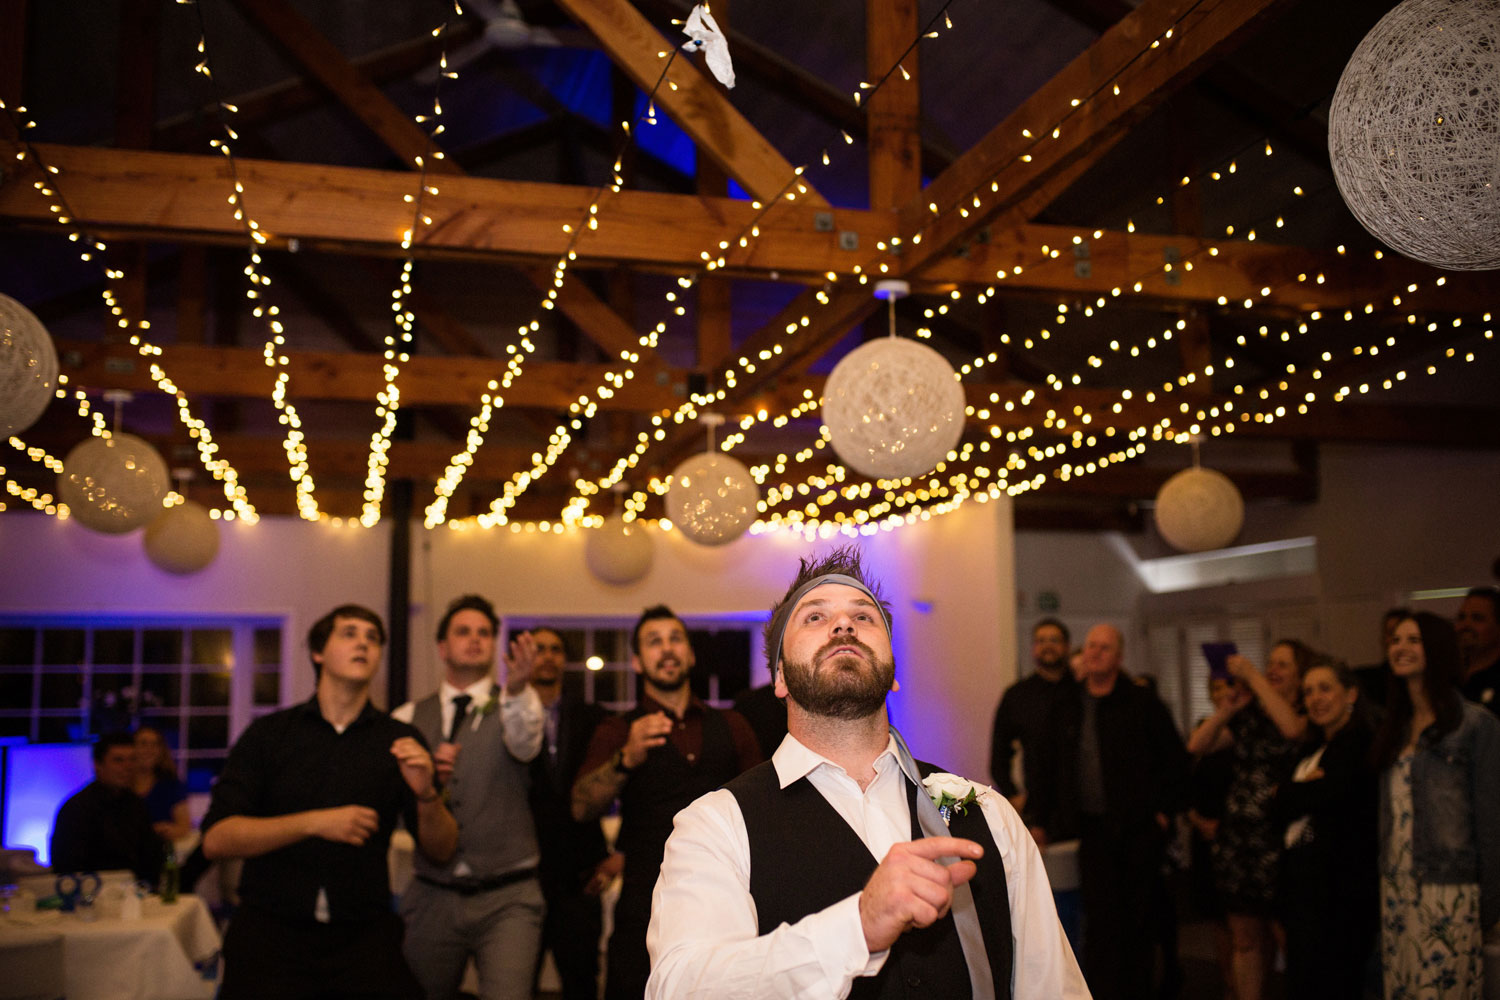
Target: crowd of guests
[(1344, 820)]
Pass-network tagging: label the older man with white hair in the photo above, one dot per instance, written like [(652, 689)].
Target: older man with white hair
[(843, 867)]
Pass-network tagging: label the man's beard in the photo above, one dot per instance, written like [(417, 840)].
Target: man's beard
[(676, 684), (836, 692)]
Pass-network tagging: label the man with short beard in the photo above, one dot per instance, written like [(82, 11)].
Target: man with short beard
[(830, 871), (655, 759)]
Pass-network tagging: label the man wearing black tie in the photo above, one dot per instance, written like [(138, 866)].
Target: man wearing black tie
[(486, 901)]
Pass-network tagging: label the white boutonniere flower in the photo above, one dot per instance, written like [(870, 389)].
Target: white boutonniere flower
[(949, 792), (480, 711)]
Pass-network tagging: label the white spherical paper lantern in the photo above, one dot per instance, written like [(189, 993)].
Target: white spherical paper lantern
[(618, 552), (893, 408), (1414, 132), (113, 485), (28, 367), (712, 499), (1199, 509), (183, 538)]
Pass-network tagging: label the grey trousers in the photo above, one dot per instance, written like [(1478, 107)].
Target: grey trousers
[(501, 929)]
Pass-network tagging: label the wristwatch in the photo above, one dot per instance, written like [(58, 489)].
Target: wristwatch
[(619, 762)]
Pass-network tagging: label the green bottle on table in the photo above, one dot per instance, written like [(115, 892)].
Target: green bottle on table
[(171, 876)]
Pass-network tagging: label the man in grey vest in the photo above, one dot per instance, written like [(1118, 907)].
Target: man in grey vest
[(486, 901), (832, 869)]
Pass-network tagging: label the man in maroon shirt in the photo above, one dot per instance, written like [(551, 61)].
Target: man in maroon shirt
[(655, 759)]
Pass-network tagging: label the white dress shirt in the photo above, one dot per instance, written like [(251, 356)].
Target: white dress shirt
[(523, 720), (704, 936)]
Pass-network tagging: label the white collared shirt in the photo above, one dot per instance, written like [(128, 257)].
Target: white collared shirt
[(523, 720), (704, 936)]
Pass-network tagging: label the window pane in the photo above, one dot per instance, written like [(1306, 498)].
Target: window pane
[(17, 645), (111, 683), (267, 689), (208, 732), (613, 685), (19, 726), (161, 646), (64, 729), (268, 646), (114, 647), (201, 772), (164, 724), (61, 689), (611, 645), (62, 646), (15, 690), (164, 690), (208, 689), (212, 647)]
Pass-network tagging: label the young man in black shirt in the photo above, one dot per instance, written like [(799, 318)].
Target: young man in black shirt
[(309, 797)]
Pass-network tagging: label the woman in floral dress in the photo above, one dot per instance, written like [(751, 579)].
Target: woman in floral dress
[(1439, 821), (1263, 726)]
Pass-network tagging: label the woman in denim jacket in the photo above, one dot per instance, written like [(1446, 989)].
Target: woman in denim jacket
[(1439, 758)]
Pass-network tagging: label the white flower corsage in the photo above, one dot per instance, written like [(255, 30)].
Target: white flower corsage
[(949, 792), (480, 711)]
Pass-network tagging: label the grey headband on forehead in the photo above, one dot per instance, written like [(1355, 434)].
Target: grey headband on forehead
[(784, 613)]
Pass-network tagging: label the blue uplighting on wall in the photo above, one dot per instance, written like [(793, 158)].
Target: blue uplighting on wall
[(38, 779)]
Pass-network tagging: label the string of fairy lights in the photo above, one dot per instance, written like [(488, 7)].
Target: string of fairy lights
[(92, 251), (899, 501), (820, 480), (273, 351), (586, 405)]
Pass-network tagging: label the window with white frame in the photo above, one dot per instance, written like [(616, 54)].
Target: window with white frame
[(198, 681), (722, 648)]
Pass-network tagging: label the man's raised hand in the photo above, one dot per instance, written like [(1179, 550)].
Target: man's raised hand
[(911, 888), (416, 765)]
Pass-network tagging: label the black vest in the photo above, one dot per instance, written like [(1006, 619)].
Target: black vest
[(658, 790), (804, 858)]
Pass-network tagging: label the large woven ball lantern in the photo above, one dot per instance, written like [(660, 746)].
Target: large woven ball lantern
[(1414, 132), (182, 539), (113, 485), (1199, 509), (712, 499), (28, 367), (618, 552), (893, 407)]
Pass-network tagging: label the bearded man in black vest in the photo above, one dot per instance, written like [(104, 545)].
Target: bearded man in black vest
[(833, 869), (655, 759)]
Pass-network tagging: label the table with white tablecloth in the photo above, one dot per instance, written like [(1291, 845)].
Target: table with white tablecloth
[(165, 954)]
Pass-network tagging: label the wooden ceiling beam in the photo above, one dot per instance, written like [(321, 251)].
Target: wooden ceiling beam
[(321, 60), (1122, 57), (282, 100), (895, 110), (171, 196), (424, 381), (177, 197), (806, 89), (694, 103)]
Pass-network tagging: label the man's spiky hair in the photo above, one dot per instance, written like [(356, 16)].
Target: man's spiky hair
[(844, 560)]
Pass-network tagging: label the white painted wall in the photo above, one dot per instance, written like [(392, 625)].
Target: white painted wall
[(948, 580), (282, 567)]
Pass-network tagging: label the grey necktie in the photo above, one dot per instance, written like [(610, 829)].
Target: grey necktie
[(965, 915)]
